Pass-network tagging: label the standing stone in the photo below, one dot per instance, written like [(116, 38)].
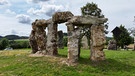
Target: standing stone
[(97, 43), (73, 40), (38, 36), (85, 43), (52, 39), (60, 39), (112, 45), (33, 42)]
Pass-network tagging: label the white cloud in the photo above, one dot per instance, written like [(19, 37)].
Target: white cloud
[(8, 11), (36, 1), (9, 25), (48, 10), (25, 19), (3, 2)]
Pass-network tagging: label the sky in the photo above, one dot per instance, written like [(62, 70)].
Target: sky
[(16, 16)]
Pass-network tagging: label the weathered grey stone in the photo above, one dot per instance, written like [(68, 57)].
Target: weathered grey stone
[(60, 39), (42, 22), (73, 44), (52, 39), (61, 17), (112, 45), (87, 20), (70, 27), (39, 35), (33, 42), (85, 42), (97, 43)]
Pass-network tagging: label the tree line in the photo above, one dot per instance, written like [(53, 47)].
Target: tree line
[(15, 44)]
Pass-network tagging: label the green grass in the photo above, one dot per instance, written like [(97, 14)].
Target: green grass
[(18, 63)]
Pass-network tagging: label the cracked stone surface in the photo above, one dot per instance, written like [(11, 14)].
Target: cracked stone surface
[(97, 43)]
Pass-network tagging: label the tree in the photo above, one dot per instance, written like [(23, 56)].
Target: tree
[(4, 43), (124, 38), (92, 9)]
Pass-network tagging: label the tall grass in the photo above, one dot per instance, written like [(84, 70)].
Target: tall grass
[(18, 63)]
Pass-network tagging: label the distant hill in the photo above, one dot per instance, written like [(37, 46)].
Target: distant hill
[(14, 37)]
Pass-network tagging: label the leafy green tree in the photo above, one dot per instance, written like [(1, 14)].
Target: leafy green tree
[(124, 38), (65, 40), (92, 9), (4, 43)]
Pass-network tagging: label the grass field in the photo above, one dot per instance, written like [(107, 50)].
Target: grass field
[(18, 63)]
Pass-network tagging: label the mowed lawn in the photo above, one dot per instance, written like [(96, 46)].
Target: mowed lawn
[(19, 63)]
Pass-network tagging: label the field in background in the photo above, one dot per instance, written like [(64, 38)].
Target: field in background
[(131, 46), (22, 40), (18, 63)]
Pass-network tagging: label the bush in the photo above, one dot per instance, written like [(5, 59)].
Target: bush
[(4, 43), (65, 40), (19, 44)]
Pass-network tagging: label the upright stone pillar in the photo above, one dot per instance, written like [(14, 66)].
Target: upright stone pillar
[(112, 45), (52, 39), (73, 35), (85, 42), (33, 42), (97, 43), (38, 36), (60, 39)]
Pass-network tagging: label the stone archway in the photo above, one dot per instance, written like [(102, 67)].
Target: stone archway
[(50, 42), (97, 33), (57, 18)]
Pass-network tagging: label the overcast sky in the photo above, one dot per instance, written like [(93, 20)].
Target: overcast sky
[(16, 16)]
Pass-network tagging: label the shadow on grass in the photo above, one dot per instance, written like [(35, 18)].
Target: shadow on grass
[(108, 65)]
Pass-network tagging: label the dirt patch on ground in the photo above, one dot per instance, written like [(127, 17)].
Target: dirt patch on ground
[(36, 55)]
